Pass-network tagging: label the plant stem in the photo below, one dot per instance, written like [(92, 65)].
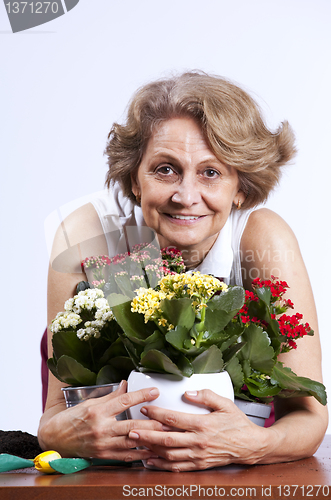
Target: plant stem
[(201, 327), (92, 356)]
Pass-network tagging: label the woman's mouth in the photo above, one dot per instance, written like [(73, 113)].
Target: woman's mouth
[(182, 219), (185, 217)]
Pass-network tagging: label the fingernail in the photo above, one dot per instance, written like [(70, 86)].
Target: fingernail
[(121, 384), (150, 462), (133, 435), (144, 411), (166, 427), (191, 393), (154, 392)]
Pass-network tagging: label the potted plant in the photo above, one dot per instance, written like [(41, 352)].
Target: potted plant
[(194, 324), (88, 353), (158, 319)]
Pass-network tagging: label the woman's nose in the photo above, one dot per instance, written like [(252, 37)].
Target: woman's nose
[(186, 194)]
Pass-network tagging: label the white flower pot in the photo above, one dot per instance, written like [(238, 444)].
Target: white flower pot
[(172, 388), (256, 412)]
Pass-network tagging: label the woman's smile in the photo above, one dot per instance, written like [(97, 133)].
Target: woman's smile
[(186, 192), (185, 219)]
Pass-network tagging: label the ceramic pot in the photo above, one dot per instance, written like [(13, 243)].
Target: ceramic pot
[(172, 388), (256, 412), (76, 395)]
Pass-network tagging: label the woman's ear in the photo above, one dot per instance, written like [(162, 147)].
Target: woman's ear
[(239, 198), (134, 184)]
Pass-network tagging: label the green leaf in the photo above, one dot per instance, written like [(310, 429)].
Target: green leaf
[(178, 312), (69, 465), (123, 364), (231, 352), (216, 321), (185, 366), (51, 364), (73, 373), (125, 285), (133, 324), (12, 462), (67, 343), (235, 371), (222, 308), (264, 294), (293, 385), (155, 341), (209, 361), (114, 299), (177, 338), (257, 349), (157, 361), (246, 367), (132, 351), (108, 375), (261, 388), (114, 350), (228, 301)]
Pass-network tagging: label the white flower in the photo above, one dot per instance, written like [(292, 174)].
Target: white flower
[(69, 304), (80, 333), (65, 320), (101, 304)]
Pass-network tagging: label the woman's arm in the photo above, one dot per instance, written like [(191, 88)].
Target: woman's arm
[(225, 436), (301, 422), (90, 428)]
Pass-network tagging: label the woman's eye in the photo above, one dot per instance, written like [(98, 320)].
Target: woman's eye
[(164, 170), (210, 173)]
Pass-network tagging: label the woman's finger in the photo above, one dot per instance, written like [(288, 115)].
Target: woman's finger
[(124, 427), (175, 419), (162, 439), (120, 403), (181, 466), (210, 399)]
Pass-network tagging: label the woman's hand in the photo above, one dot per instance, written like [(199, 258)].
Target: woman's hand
[(222, 437), (90, 429)]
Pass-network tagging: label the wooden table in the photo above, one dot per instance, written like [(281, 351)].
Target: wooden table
[(308, 478)]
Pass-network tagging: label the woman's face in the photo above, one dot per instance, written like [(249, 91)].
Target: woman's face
[(186, 192)]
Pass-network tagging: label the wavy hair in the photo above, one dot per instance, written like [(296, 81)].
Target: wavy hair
[(229, 118)]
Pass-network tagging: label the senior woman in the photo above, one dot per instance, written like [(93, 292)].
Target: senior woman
[(192, 162)]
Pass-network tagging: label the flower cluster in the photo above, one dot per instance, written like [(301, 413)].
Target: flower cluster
[(290, 327), (243, 313), (200, 287), (277, 287), (172, 261), (196, 286), (97, 262), (143, 266), (89, 308), (147, 302)]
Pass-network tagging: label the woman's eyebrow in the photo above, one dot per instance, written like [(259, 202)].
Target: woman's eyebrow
[(166, 156)]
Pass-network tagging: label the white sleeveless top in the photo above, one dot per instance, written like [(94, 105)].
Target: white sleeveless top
[(123, 223)]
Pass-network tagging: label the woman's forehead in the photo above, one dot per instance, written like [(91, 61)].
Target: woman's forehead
[(178, 133)]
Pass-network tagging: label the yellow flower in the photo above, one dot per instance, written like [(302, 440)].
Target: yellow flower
[(41, 462), (202, 286)]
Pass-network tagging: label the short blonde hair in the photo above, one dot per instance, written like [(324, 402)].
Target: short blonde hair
[(229, 118)]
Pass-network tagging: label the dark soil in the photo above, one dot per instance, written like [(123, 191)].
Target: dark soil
[(18, 443)]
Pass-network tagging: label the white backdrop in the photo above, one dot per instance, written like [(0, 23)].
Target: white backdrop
[(63, 84)]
